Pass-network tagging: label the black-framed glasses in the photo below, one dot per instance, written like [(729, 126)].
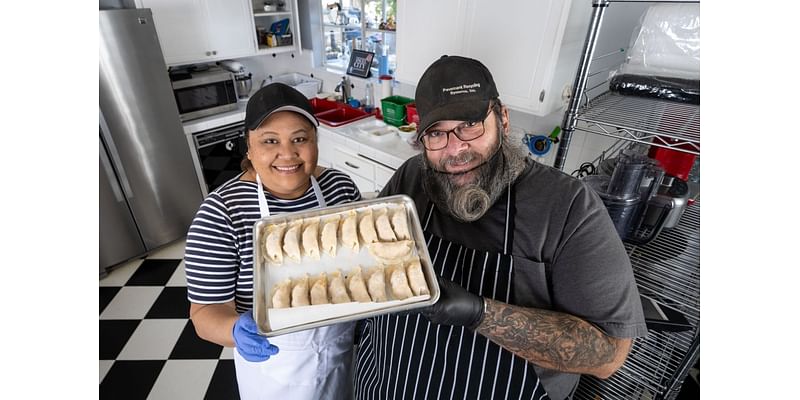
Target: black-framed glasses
[(438, 139)]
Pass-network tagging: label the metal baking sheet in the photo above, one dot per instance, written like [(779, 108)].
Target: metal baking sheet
[(274, 322)]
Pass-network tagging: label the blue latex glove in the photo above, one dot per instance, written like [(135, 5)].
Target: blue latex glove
[(252, 346)]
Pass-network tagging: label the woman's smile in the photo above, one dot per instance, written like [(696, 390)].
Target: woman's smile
[(288, 169)]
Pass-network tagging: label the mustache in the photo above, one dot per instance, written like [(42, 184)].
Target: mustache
[(462, 158)]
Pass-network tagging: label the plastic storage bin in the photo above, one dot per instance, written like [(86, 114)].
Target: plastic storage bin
[(393, 121), (305, 84), (411, 114), (394, 108)]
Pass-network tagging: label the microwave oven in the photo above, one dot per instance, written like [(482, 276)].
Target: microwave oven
[(205, 93)]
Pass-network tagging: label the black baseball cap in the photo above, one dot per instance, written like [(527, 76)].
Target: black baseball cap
[(273, 98), (454, 88)]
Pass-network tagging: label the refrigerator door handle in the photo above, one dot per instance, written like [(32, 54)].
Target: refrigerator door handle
[(115, 158), (112, 179)]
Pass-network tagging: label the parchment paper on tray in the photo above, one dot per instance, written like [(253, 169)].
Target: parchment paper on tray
[(341, 263)]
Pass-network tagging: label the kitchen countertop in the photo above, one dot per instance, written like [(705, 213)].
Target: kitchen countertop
[(392, 151), (216, 120)]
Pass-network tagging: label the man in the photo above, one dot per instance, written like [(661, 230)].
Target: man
[(536, 286)]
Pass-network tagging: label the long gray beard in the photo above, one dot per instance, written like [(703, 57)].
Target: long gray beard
[(469, 202)]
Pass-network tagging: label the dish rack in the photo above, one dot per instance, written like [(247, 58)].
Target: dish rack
[(666, 269)]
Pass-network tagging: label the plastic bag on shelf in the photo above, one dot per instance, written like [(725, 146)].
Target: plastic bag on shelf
[(667, 43), (664, 56), (661, 87)]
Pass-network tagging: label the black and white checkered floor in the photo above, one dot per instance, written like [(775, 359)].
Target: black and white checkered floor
[(148, 346)]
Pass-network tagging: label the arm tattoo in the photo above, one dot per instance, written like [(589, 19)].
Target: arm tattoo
[(547, 338)]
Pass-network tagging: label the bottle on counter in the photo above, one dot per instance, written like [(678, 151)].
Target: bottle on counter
[(369, 98)]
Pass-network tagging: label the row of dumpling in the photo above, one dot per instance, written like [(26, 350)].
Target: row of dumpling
[(305, 238), (405, 280)]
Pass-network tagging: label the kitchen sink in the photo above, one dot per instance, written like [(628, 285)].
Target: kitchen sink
[(322, 105), (336, 114)]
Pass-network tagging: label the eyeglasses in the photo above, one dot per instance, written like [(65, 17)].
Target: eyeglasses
[(438, 139)]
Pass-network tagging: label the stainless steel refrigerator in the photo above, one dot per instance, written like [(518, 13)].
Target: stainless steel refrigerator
[(149, 191)]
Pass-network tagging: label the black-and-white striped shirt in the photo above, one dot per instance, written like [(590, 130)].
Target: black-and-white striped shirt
[(219, 245)]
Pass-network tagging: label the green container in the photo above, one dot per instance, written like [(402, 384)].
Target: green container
[(392, 121), (394, 107)]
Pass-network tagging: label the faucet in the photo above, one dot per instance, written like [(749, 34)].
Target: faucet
[(344, 86)]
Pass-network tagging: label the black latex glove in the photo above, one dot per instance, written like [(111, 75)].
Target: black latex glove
[(456, 306)]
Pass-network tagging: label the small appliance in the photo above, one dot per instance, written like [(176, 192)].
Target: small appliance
[(200, 93), (244, 80), (628, 193)]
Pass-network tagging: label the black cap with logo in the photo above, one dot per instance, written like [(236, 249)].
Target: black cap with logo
[(454, 88), (273, 98)]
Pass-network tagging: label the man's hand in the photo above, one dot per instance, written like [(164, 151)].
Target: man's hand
[(456, 306)]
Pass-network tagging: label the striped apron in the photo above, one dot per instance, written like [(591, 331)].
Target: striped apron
[(407, 357)]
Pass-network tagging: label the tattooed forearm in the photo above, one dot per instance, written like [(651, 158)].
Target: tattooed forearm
[(552, 339)]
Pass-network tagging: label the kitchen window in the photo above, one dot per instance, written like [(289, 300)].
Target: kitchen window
[(360, 24)]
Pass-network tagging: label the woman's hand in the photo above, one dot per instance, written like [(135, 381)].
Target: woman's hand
[(252, 346)]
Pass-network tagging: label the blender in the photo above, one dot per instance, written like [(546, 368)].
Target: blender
[(244, 81), (627, 195)]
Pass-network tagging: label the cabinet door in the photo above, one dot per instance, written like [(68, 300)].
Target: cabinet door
[(426, 30), (230, 28), (181, 29), (518, 47)]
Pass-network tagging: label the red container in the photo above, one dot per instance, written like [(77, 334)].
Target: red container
[(322, 105), (411, 114), (341, 116), (675, 163)]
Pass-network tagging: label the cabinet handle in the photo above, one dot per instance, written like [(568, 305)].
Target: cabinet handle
[(351, 165), (214, 52), (208, 53)]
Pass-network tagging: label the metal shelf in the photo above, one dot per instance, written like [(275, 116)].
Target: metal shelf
[(668, 268), (655, 122)]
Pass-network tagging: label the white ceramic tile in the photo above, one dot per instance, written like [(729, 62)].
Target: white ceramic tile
[(179, 276), (183, 379), (172, 251), (132, 302), (119, 275), (227, 353), (105, 365), (153, 339)]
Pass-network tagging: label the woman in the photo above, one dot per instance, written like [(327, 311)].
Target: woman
[(280, 175)]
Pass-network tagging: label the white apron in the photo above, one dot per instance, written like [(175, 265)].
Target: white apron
[(311, 364)]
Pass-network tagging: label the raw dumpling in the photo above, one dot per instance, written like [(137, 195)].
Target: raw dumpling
[(300, 292), (319, 290), (416, 278), (384, 228), (376, 285), (336, 288), (311, 238), (358, 290), (274, 243), (329, 241), (391, 252), (398, 282), (280, 298), (291, 241), (366, 227), (349, 231), (400, 224)]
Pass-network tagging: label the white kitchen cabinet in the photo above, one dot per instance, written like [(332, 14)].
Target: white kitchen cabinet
[(260, 19), (336, 151), (426, 30), (194, 31), (532, 48)]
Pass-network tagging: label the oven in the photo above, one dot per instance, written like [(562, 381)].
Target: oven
[(218, 154), (200, 94)]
